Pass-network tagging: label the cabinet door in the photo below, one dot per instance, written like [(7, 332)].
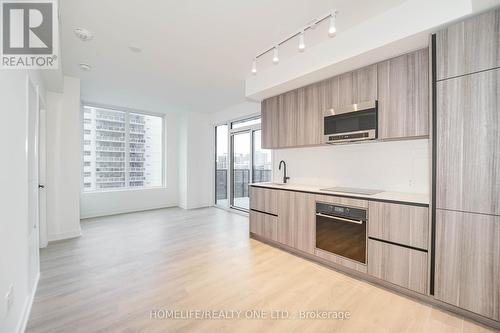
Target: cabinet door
[(264, 225), (329, 94), (358, 86), (296, 220), (399, 265), (270, 121), (402, 224), (288, 115), (403, 96), (309, 116), (469, 46), (468, 261), (468, 143), (264, 199)]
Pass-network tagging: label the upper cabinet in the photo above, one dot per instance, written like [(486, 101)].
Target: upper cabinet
[(358, 86), (270, 116), (401, 85), (469, 46), (403, 96)]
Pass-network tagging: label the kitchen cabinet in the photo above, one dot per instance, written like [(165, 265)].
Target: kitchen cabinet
[(263, 200), (270, 121), (288, 119), (403, 96), (309, 129), (296, 220), (264, 225), (467, 143), (467, 271), (469, 46), (398, 265), (402, 224), (358, 86)]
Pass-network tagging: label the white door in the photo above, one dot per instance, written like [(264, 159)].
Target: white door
[(42, 167), (32, 156)]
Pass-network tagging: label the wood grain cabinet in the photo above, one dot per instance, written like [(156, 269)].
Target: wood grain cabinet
[(269, 122), (264, 225), (469, 46), (402, 224), (398, 265), (468, 261), (288, 119), (264, 199), (296, 220), (468, 143), (309, 130), (358, 86), (403, 96)]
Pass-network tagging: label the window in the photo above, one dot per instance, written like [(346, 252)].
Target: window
[(122, 150)]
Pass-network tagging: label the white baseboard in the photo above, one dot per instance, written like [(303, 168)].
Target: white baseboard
[(64, 235), (21, 326), (124, 211)]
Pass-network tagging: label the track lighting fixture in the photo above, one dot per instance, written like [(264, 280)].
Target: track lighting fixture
[(276, 58), (300, 35), (302, 44), (332, 29)]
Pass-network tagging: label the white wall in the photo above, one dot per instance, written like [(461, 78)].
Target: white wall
[(63, 161), (195, 160), (14, 256), (114, 202), (399, 166)]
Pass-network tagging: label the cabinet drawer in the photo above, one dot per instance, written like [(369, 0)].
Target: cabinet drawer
[(403, 224), (264, 200), (398, 265), (264, 225)]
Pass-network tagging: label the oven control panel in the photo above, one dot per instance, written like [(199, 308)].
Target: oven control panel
[(341, 211)]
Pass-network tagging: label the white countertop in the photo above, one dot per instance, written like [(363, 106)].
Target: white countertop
[(415, 198)]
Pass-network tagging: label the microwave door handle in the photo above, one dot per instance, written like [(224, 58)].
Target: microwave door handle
[(340, 218)]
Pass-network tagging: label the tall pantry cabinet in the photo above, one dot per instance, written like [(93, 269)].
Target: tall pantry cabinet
[(466, 167)]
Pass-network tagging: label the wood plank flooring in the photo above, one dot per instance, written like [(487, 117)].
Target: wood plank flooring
[(125, 266)]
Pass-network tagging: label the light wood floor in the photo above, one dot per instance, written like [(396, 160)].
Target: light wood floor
[(124, 266)]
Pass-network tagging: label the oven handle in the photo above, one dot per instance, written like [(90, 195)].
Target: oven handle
[(340, 218)]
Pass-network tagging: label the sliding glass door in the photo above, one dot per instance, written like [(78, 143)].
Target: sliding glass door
[(240, 171), (240, 163), (221, 165)]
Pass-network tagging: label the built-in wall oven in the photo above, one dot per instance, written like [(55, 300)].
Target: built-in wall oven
[(341, 230), (351, 123)]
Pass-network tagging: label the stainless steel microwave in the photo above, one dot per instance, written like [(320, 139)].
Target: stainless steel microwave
[(351, 123)]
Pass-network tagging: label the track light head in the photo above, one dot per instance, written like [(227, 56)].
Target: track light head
[(332, 29), (254, 66), (276, 58), (302, 44)]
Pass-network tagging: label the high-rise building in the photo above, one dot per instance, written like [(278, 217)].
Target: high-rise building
[(121, 149)]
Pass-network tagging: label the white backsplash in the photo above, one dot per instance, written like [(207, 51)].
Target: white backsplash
[(399, 166)]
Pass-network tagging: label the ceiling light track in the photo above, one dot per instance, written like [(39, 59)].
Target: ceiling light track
[(332, 30)]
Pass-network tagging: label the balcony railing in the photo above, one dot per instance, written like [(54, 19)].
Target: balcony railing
[(241, 179)]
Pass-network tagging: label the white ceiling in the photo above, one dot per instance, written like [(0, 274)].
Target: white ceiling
[(195, 54)]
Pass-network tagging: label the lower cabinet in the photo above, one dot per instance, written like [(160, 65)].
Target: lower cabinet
[(399, 265), (264, 225), (296, 220), (468, 261)]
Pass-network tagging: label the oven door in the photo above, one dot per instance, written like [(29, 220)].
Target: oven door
[(341, 236)]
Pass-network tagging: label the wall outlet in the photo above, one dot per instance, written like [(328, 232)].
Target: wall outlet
[(9, 298)]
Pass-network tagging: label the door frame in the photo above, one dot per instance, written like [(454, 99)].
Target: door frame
[(42, 171), (231, 132)]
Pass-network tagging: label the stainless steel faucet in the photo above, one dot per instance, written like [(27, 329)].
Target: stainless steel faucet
[(285, 178)]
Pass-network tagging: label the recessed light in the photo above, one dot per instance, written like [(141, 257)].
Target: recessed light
[(83, 34), (134, 49), (85, 67)]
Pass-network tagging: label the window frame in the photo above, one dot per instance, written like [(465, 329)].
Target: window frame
[(127, 111)]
